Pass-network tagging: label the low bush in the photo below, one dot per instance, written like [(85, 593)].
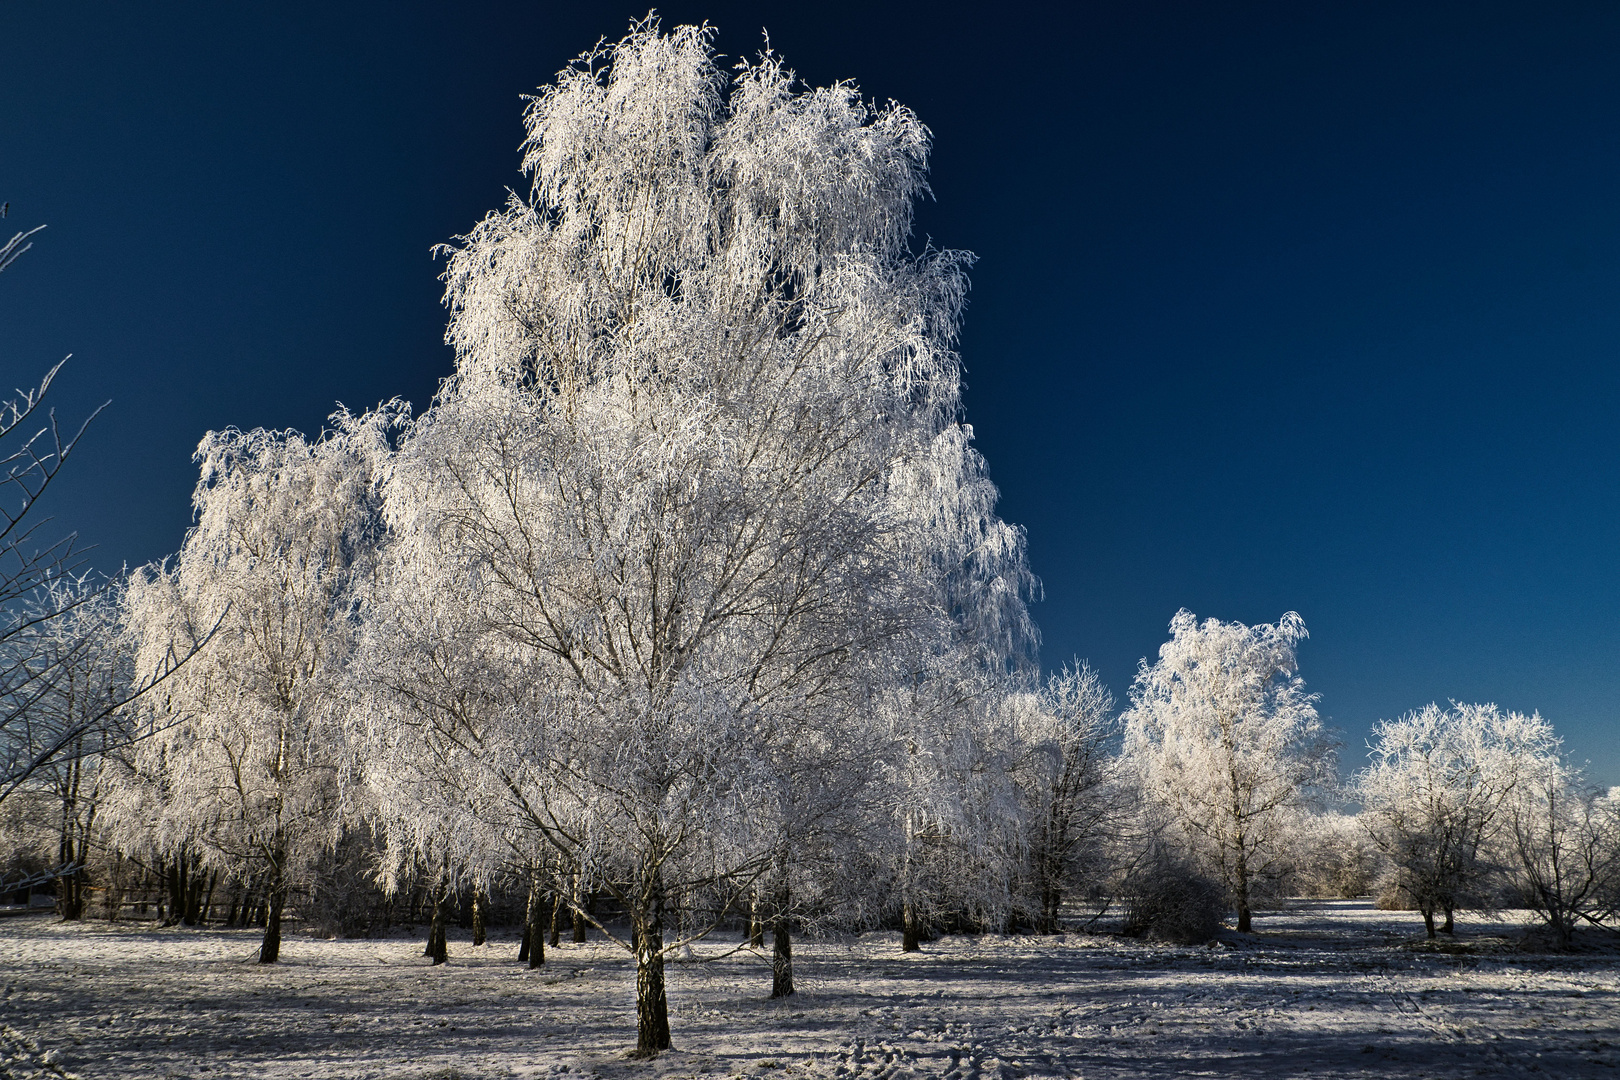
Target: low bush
[(1171, 900)]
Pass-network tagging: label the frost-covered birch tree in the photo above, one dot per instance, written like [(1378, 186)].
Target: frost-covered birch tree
[(953, 828), (1435, 794), (1069, 784), (1222, 734), (449, 732), (239, 771), (686, 493)]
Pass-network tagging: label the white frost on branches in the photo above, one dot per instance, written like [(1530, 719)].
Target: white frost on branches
[(1224, 737), (240, 769), (1435, 793), (696, 500)]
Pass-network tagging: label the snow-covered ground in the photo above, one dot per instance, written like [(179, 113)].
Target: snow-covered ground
[(1326, 989)]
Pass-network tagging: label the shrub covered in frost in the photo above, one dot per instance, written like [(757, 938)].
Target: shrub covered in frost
[(1334, 857)]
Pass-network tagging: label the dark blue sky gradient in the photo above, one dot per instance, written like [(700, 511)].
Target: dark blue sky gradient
[(1279, 306)]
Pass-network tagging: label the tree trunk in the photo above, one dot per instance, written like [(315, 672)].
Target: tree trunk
[(175, 879), (71, 888), (208, 901), (270, 950), (782, 951), (438, 945), (556, 919), (756, 922), (1051, 903), (478, 917), (1428, 920), (580, 900), (534, 925), (1245, 918), (1048, 868), (652, 1005), (1450, 925), (910, 937), (70, 896), (195, 887), (528, 920)]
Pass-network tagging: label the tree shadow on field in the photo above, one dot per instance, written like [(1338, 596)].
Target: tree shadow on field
[(192, 1003), (1126, 1009), (144, 1003)]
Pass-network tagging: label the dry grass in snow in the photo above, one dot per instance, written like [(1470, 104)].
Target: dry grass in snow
[(1326, 989)]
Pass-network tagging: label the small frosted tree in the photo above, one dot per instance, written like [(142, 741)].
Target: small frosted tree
[(1435, 793), (1562, 842), (1068, 783), (946, 819), (1223, 736), (239, 771), (74, 714)]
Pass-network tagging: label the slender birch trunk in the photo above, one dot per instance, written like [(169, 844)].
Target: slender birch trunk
[(270, 949), (534, 930), (438, 948), (782, 945), (652, 1003), (1245, 917), (755, 933)]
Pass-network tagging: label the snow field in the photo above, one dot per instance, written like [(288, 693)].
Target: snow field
[(1327, 989)]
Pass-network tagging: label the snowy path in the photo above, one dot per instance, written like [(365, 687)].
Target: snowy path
[(1336, 990)]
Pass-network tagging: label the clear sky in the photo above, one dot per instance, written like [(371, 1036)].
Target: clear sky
[(1279, 306)]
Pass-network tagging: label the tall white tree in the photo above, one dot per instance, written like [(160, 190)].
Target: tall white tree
[(1435, 793), (698, 492), (240, 768), (1223, 735)]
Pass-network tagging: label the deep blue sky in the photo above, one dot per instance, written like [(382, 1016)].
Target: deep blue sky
[(1279, 306)]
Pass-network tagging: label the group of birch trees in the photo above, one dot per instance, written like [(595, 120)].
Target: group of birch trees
[(688, 592), (687, 584), (1470, 806)]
